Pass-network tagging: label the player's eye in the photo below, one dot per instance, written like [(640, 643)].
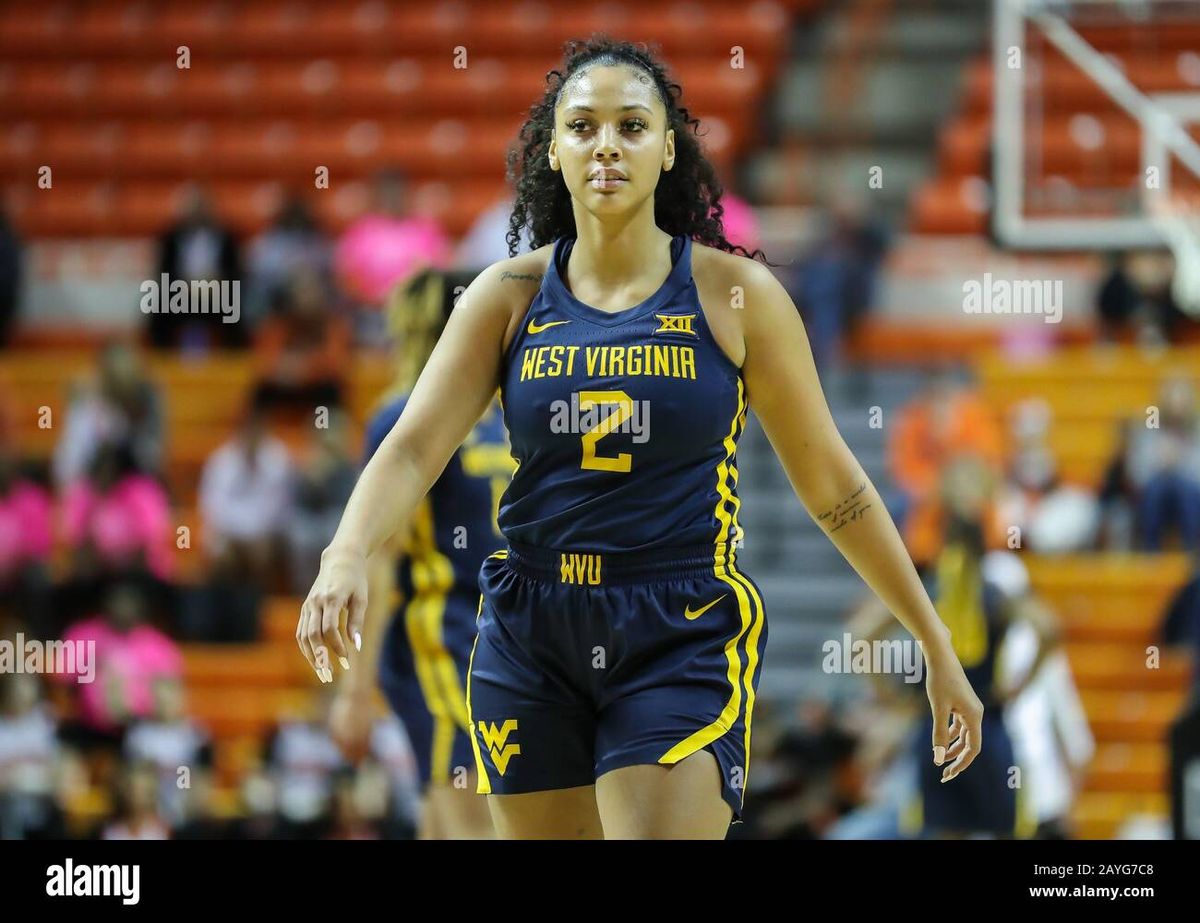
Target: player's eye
[(634, 125)]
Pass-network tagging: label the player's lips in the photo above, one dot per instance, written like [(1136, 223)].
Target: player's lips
[(607, 178)]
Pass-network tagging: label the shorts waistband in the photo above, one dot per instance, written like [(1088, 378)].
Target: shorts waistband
[(598, 568)]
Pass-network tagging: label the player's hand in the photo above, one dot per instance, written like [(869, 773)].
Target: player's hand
[(350, 720), (957, 713), (340, 585)]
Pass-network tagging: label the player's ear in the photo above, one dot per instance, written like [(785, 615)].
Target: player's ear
[(552, 152), (669, 150)]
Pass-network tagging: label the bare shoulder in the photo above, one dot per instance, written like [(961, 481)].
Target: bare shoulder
[(511, 284), (728, 267), (727, 283)]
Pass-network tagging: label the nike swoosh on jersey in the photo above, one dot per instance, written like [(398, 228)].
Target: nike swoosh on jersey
[(689, 614), (534, 327)]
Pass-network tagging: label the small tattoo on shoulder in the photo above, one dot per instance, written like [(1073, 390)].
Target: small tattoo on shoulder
[(521, 276), (849, 510)]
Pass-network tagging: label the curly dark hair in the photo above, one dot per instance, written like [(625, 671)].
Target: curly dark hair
[(687, 199)]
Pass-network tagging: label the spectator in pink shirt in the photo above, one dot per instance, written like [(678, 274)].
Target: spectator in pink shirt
[(131, 658), (117, 519), (25, 544), (389, 244)]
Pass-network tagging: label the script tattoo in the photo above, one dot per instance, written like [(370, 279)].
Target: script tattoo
[(848, 510), (523, 276)]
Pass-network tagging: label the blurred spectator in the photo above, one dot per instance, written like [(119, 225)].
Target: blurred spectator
[(258, 815), (10, 277), (131, 658), (303, 349), (29, 762), (359, 803), (834, 285), (292, 243), (245, 501), (487, 240), (392, 749), (121, 405), (1053, 518), (884, 762), (1181, 629), (201, 819), (322, 485), (180, 751), (1181, 623), (944, 421), (303, 760), (1118, 298), (740, 222), (196, 247), (25, 545), (117, 519), (137, 816), (389, 244), (1157, 471)]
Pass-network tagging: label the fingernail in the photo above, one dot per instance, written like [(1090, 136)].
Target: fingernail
[(939, 755), (358, 640), (344, 662), (327, 675)]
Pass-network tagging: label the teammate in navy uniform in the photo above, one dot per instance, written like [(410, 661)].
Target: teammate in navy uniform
[(424, 587), (612, 685), (990, 800)]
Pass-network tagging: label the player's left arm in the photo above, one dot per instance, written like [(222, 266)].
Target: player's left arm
[(785, 393)]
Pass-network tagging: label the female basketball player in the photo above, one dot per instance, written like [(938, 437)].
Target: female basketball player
[(613, 677), (423, 651)]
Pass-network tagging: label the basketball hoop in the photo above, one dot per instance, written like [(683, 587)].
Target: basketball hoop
[(1178, 217)]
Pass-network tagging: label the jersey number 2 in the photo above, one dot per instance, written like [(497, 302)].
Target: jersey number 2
[(623, 461)]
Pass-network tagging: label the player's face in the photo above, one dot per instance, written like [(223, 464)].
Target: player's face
[(611, 140)]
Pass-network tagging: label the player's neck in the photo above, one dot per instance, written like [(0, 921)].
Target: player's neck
[(610, 257)]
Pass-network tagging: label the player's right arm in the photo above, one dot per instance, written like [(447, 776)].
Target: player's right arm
[(450, 396)]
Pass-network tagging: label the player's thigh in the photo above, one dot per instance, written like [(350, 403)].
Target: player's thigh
[(559, 814), (461, 813), (680, 801)]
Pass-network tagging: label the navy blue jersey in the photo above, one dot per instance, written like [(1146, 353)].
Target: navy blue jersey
[(972, 609), (453, 528), (624, 425)]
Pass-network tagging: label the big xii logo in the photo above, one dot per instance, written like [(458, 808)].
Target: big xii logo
[(495, 740), (676, 323)]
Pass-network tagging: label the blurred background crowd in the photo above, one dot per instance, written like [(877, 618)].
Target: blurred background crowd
[(168, 481)]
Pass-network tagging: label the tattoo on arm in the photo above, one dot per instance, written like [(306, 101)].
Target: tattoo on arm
[(848, 510), (521, 276)]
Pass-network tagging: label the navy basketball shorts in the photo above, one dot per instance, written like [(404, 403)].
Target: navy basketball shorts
[(423, 674), (586, 663), (984, 798)]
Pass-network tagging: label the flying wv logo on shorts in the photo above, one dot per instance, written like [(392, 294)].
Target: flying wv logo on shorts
[(495, 740), (676, 323)]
